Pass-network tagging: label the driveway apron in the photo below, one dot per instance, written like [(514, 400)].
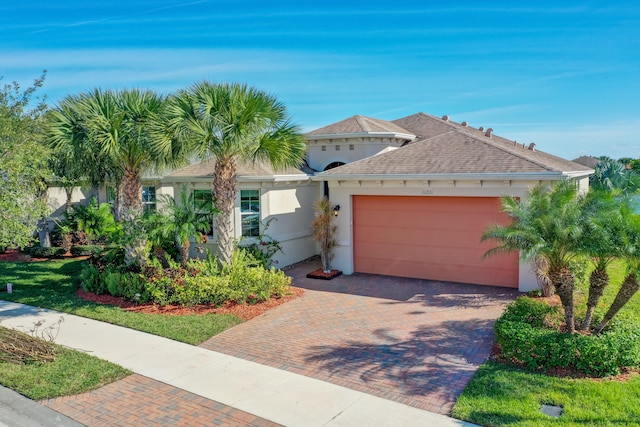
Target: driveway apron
[(413, 341)]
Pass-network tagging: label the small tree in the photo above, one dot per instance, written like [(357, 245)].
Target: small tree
[(631, 252), (23, 163), (547, 224), (182, 221), (324, 231)]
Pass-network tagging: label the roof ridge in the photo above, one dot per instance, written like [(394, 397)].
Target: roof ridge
[(505, 149), (362, 121), (468, 130)]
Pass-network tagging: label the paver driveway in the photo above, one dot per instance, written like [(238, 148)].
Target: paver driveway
[(417, 342)]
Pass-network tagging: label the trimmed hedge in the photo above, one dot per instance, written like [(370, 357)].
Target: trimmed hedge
[(52, 252), (528, 335), (86, 250)]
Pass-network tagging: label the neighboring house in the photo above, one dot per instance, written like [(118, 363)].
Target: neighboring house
[(415, 195), (588, 161)]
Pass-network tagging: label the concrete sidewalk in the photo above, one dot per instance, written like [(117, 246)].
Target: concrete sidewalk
[(280, 396)]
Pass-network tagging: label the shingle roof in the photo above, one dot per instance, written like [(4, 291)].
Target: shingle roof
[(445, 147), (206, 169), (588, 161), (357, 125)]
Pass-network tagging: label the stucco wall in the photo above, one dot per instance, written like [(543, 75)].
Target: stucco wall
[(57, 199), (347, 150), (342, 195), (288, 209)]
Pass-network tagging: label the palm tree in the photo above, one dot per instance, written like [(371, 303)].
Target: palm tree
[(231, 123), (631, 251), (118, 132), (182, 221), (603, 241), (547, 225), (614, 176)]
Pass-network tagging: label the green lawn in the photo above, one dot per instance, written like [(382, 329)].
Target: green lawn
[(500, 395), (53, 284), (71, 372)]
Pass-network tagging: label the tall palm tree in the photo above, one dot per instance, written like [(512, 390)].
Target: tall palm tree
[(118, 132), (546, 224), (182, 221), (631, 252), (231, 123)]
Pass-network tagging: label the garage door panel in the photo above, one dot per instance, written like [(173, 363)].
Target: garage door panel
[(430, 237)]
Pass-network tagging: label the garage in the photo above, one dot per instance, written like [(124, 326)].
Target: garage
[(435, 238)]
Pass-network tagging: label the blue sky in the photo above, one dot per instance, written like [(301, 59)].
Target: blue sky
[(562, 74)]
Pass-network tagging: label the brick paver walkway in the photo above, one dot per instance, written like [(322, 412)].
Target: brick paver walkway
[(140, 401), (413, 341)]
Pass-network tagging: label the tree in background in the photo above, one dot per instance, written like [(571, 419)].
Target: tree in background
[(615, 176), (23, 163), (231, 123)]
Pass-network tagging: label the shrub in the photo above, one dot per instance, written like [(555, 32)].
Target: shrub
[(528, 335), (86, 250), (201, 282), (52, 252)]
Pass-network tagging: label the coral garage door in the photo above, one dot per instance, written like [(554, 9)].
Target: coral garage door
[(435, 238)]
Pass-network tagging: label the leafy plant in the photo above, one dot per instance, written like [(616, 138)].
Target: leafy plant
[(261, 248)]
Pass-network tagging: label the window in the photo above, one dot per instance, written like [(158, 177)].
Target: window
[(337, 148), (324, 148), (351, 147), (203, 199), (148, 199), (250, 212)]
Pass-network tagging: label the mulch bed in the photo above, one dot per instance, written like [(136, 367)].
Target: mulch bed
[(321, 274), (243, 311), (12, 255)]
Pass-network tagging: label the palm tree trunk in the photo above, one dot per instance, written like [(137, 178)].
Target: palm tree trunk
[(628, 289), (224, 194), (564, 283), (184, 253), (131, 194), (161, 255), (134, 250), (598, 281)]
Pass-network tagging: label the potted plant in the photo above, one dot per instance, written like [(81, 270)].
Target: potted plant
[(324, 231)]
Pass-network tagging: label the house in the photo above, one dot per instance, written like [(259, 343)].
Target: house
[(419, 205), (415, 195)]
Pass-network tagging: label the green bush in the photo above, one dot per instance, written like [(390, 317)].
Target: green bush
[(52, 252), (86, 250), (526, 337), (201, 282)]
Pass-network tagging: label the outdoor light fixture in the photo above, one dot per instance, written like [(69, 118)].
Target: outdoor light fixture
[(336, 209)]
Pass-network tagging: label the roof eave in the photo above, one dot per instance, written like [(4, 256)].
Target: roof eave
[(398, 135), (503, 176), (242, 178)]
